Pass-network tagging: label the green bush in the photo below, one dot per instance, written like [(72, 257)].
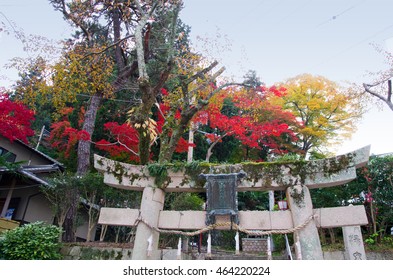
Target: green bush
[(186, 201), (279, 242), (36, 241)]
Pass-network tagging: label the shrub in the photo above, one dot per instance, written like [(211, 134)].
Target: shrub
[(187, 201), (36, 241)]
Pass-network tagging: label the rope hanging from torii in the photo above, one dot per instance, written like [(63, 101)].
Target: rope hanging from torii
[(231, 224)]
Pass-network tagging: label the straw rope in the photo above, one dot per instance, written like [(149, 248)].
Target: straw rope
[(233, 226)]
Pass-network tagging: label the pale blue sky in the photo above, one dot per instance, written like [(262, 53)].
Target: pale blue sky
[(278, 38), (284, 38)]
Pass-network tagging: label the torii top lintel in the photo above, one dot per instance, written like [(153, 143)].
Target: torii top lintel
[(260, 176)]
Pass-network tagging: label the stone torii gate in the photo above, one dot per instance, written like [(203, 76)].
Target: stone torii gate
[(296, 178)]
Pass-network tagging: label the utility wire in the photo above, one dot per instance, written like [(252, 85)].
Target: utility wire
[(340, 14), (383, 30), (111, 99)]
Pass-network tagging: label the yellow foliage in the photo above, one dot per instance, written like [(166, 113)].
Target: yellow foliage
[(81, 72), (326, 113), (32, 87)]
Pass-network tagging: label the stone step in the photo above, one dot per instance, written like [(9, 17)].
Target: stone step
[(243, 257), (229, 255), (237, 257)]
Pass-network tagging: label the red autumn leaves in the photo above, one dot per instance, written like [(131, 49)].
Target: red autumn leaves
[(254, 120), (15, 119)]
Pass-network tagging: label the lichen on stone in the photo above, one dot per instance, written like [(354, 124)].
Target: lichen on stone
[(297, 194), (266, 174)]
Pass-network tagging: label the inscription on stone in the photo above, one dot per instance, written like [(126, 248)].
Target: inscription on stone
[(357, 256), (354, 248), (221, 195), (354, 238)]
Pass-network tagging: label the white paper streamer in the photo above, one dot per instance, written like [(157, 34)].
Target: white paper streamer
[(237, 243), (299, 250), (179, 249), (269, 250), (288, 247), (150, 245), (209, 245)]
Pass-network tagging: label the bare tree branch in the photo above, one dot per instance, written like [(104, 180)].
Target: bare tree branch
[(61, 6), (208, 81), (209, 151), (388, 101), (201, 74)]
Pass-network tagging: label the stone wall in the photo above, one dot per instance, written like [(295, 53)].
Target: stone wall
[(77, 252), (340, 255)]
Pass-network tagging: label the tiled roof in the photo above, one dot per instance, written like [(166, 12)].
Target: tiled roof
[(31, 171), (41, 154)]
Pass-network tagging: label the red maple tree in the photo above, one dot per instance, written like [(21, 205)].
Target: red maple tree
[(15, 119), (123, 141), (258, 123), (63, 137)]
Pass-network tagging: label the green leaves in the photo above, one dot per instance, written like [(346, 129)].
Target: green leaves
[(36, 241), (160, 173)]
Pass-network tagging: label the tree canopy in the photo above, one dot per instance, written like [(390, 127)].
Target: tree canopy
[(326, 113), (15, 119), (249, 116)]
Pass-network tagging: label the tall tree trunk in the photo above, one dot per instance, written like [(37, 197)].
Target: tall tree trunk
[(70, 215), (88, 126), (332, 236), (374, 222), (83, 166)]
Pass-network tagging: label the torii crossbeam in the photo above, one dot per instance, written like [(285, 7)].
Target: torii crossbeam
[(296, 178)]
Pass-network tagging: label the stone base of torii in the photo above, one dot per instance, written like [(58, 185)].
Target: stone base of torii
[(301, 218)]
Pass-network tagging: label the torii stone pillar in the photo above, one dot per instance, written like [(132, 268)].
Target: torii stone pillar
[(354, 247), (300, 204), (295, 178), (151, 205)]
